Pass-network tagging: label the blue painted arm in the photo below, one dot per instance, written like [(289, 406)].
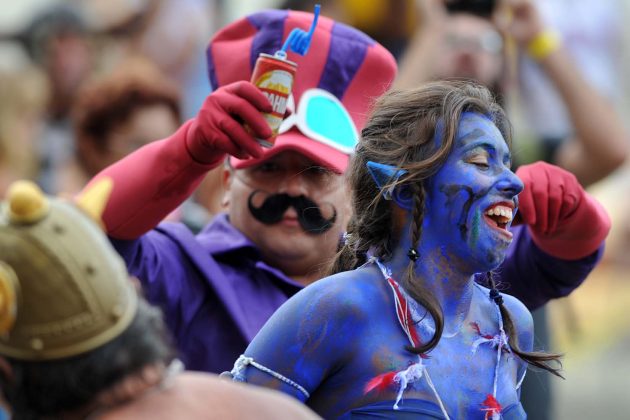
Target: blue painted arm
[(524, 324), (307, 339)]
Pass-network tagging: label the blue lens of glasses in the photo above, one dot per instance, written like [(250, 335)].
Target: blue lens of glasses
[(326, 117)]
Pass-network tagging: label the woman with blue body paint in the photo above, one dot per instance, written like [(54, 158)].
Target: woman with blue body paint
[(407, 332)]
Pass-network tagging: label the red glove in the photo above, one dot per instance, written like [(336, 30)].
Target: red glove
[(563, 219), (218, 128)]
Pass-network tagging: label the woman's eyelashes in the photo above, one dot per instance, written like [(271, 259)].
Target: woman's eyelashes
[(484, 161), (482, 165), (480, 160)]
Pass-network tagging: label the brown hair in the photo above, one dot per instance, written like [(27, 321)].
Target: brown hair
[(400, 132), (108, 102), (48, 388)]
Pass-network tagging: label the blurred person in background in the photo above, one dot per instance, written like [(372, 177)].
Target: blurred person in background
[(115, 114), (78, 342), (588, 141), (170, 33), (23, 97), (590, 33), (460, 39), (59, 43), (121, 111)]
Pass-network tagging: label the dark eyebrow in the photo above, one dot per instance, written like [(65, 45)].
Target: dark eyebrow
[(479, 144), (487, 147), (472, 136), (468, 143)]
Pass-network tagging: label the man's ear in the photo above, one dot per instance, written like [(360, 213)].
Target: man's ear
[(227, 179)]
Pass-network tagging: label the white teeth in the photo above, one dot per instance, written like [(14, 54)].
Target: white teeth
[(500, 211)]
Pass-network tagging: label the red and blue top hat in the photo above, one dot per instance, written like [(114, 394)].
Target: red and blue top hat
[(341, 61)]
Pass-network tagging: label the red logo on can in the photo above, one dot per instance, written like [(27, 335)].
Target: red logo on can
[(274, 77)]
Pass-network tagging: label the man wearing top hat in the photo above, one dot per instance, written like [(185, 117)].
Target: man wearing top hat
[(287, 206)]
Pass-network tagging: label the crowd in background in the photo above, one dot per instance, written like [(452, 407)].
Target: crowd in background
[(84, 83)]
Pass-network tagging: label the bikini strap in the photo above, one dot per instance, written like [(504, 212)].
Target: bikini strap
[(243, 361)]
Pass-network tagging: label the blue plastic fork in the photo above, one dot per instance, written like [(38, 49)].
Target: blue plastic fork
[(298, 40)]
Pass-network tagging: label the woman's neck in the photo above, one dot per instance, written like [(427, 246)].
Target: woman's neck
[(437, 273)]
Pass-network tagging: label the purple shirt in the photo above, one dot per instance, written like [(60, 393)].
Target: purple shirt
[(216, 292)]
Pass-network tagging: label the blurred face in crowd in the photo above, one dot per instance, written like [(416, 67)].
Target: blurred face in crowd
[(68, 62), (285, 244), (471, 49), (144, 125)]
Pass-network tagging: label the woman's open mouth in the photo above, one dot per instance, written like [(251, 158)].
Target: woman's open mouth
[(498, 216)]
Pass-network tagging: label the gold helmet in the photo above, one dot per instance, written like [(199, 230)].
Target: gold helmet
[(63, 288)]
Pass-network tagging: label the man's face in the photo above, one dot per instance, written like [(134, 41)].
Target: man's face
[(471, 49), (144, 125), (285, 244), (68, 62), (471, 199)]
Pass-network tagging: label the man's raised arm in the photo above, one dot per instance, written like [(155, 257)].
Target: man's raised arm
[(151, 182)]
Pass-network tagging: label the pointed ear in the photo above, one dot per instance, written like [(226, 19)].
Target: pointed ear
[(384, 176), (94, 198)]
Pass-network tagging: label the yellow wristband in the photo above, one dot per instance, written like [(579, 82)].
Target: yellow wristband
[(543, 44)]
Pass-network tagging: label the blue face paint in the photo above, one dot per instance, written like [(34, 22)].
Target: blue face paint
[(339, 334), (384, 176), (471, 199)]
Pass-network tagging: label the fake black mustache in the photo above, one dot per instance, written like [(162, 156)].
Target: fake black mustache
[(309, 214)]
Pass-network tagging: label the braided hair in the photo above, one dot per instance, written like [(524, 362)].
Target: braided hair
[(401, 132), (534, 358)]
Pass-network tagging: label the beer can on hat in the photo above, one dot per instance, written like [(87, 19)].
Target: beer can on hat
[(274, 76)]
